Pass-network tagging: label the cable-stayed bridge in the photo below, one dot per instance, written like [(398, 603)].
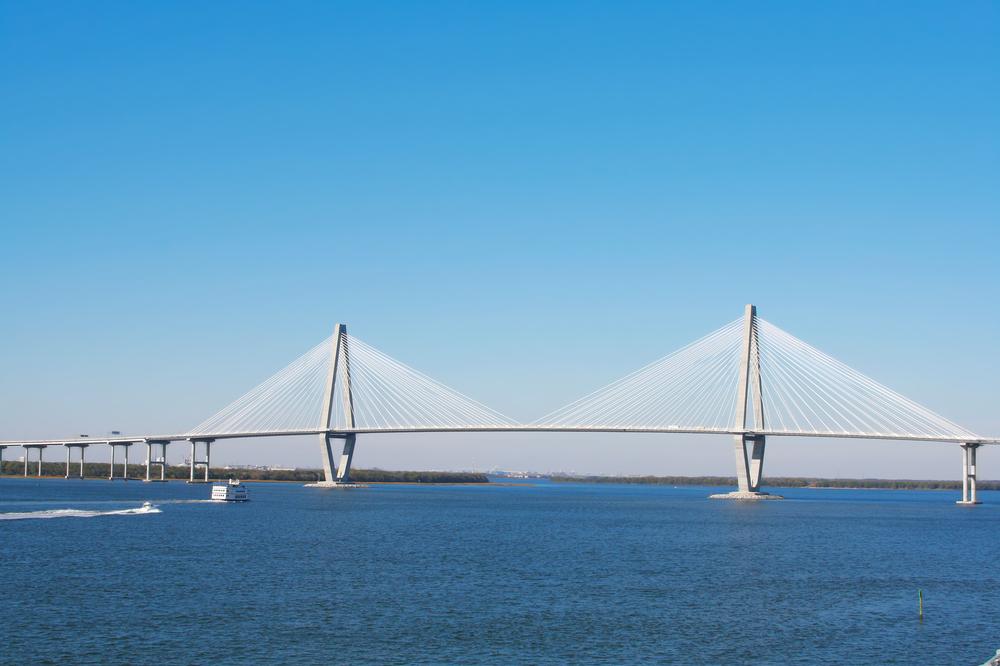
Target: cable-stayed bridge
[(748, 379)]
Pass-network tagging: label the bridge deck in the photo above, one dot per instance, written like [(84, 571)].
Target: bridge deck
[(512, 429)]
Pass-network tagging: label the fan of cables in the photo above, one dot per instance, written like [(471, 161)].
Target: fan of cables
[(385, 395)]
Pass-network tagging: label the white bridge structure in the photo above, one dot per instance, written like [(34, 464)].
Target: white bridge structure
[(748, 379)]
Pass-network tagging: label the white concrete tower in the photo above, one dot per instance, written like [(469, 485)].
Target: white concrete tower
[(335, 474), (749, 462)]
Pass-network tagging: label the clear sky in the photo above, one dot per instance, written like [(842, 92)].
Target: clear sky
[(524, 200)]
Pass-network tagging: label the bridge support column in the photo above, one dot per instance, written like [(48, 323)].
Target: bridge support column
[(69, 449), (2, 449), (749, 452), (194, 457), (337, 473), (346, 456), (742, 465), (114, 450), (969, 475), (329, 465), (161, 461), (756, 462), (27, 456)]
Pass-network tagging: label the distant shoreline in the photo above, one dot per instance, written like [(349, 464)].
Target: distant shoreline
[(781, 482), (182, 473)]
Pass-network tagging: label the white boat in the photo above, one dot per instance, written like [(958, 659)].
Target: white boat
[(234, 491)]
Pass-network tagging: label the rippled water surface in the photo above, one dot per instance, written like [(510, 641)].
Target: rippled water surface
[(542, 573)]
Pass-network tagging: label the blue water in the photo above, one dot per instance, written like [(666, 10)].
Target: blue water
[(542, 574)]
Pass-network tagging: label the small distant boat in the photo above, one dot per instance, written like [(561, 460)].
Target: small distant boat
[(234, 491)]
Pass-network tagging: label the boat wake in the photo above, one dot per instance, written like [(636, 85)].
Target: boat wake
[(145, 509)]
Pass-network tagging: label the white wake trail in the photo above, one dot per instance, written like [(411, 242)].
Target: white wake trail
[(77, 513)]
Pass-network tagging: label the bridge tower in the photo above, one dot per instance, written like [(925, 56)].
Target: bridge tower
[(339, 369), (749, 444)]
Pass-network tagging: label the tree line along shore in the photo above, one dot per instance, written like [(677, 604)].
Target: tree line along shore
[(779, 482), (99, 470)]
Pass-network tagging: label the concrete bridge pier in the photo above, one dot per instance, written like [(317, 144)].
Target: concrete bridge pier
[(161, 461), (749, 462), (337, 475), (749, 469), (346, 457), (207, 462), (2, 449), (114, 448), (969, 475), (69, 449), (27, 456)]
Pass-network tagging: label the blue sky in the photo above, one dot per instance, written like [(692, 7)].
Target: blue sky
[(524, 200)]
